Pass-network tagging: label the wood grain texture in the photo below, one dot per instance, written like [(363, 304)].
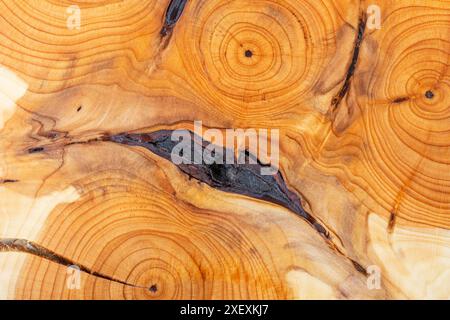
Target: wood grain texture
[(364, 172)]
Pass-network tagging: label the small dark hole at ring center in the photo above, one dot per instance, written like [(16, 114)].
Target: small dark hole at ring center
[(248, 53), (153, 288), (429, 94)]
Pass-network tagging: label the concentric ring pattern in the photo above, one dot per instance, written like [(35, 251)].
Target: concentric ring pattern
[(256, 58)]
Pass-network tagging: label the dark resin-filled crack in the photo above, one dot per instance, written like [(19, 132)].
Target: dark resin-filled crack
[(23, 245), (400, 99), (8, 180), (173, 14), (35, 150), (351, 69), (244, 179)]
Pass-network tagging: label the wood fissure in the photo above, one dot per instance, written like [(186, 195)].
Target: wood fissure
[(8, 181), (173, 14), (400, 100), (25, 246), (36, 150), (353, 62), (244, 179)]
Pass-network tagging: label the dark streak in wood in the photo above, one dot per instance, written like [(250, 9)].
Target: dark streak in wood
[(173, 14), (391, 223), (8, 180), (400, 99), (359, 267), (244, 179), (351, 69), (23, 245), (35, 150)]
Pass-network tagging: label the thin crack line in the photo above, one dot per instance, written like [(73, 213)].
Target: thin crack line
[(26, 246), (173, 14), (351, 69)]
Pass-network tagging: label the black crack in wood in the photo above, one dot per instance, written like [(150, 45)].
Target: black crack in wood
[(245, 179), (8, 181), (173, 14), (392, 220), (23, 245), (351, 69), (79, 108), (35, 150), (359, 267), (400, 99), (153, 288)]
